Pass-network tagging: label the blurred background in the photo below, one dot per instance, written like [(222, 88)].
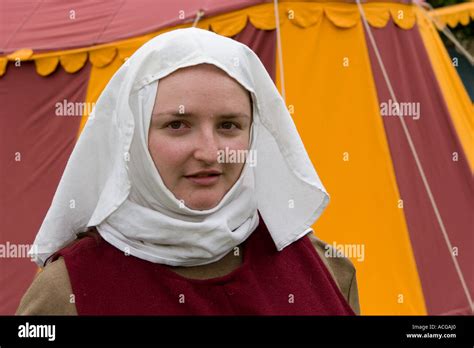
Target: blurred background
[(381, 93)]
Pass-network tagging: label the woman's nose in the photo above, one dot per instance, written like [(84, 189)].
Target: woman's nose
[(206, 147)]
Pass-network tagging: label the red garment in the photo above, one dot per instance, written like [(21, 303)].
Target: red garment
[(293, 281)]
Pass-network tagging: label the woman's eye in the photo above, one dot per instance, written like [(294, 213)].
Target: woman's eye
[(175, 124), (228, 125)]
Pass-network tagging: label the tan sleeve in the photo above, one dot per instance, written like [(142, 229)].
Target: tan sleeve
[(50, 293), (342, 270)]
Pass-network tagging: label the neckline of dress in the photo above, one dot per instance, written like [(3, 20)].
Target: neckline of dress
[(244, 266)]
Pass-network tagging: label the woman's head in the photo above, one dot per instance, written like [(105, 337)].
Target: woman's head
[(199, 111)]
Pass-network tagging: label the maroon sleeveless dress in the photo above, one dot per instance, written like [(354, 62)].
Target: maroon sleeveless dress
[(293, 281)]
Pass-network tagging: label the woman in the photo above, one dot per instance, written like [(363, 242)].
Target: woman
[(178, 222)]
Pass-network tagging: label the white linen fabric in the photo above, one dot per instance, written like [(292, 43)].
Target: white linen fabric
[(111, 182)]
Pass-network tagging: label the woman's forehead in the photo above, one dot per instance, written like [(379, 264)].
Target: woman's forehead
[(201, 88)]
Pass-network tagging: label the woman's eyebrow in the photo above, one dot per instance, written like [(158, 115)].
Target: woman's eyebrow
[(234, 115)]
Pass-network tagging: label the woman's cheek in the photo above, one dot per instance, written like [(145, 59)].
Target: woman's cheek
[(238, 143), (168, 152), (161, 150)]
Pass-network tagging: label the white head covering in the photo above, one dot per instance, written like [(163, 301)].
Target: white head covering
[(111, 182)]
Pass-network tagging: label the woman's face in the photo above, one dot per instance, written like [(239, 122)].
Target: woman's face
[(198, 111)]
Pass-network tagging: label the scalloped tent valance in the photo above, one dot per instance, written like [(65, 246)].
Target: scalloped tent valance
[(456, 14), (300, 14)]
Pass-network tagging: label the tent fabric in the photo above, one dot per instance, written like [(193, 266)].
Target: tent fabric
[(338, 120), (455, 14), (434, 138), (33, 24), (333, 89), (460, 107), (261, 16), (36, 142)]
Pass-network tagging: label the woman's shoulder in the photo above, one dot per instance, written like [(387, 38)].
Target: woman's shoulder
[(341, 269), (50, 293)]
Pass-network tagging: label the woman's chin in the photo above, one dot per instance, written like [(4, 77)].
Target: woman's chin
[(204, 204)]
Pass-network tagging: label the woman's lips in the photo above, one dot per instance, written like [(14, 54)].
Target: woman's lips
[(204, 180)]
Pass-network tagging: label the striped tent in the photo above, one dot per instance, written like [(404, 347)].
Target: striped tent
[(381, 110)]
